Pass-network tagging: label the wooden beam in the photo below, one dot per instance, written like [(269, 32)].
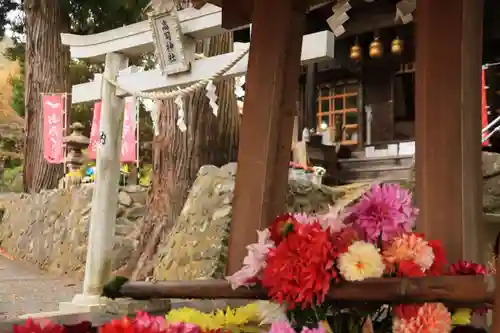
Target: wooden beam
[(267, 125), (236, 13), (474, 291), (448, 124), (315, 47)]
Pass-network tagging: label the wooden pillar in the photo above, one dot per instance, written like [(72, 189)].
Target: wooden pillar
[(267, 125), (448, 123)]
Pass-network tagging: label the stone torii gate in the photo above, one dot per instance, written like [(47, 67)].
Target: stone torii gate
[(115, 46)]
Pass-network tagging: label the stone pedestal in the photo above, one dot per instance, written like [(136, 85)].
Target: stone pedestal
[(121, 306)]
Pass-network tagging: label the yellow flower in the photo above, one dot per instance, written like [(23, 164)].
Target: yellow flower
[(230, 318), (362, 260), (191, 316), (461, 317)]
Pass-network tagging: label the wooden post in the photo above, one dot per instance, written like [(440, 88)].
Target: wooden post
[(105, 198), (448, 123), (267, 125), (310, 96)]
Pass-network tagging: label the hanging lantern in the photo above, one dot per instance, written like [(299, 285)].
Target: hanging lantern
[(355, 52), (397, 46), (376, 48)]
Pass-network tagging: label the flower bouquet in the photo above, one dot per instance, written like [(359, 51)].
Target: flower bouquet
[(253, 318), (299, 258)]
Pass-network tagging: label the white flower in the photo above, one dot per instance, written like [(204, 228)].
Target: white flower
[(333, 220), (362, 260), (271, 312)]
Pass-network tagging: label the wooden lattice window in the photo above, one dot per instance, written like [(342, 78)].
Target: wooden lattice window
[(338, 112)]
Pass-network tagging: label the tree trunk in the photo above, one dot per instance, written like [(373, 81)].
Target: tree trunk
[(177, 157), (47, 71)]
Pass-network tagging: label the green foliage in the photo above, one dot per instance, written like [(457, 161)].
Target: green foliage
[(16, 53), (17, 103), (11, 180)]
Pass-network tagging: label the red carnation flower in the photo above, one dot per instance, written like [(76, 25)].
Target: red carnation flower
[(281, 225), (30, 326), (406, 311), (300, 269), (440, 260), (343, 239), (124, 325), (464, 267), (141, 324), (409, 268)]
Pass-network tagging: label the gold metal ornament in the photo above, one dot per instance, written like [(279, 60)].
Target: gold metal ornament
[(376, 48), (397, 46), (355, 52)]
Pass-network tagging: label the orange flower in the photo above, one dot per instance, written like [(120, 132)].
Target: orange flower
[(431, 318), (410, 247)]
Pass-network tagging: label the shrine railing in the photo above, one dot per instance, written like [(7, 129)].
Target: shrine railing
[(462, 291)]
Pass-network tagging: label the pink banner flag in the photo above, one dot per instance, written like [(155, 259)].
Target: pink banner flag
[(53, 128), (129, 147), (94, 132)]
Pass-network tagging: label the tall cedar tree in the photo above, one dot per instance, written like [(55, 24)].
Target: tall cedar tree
[(177, 156)]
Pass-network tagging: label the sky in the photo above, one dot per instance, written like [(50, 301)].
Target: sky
[(12, 16)]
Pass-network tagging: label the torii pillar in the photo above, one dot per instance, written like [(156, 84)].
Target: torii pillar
[(267, 123), (448, 123)]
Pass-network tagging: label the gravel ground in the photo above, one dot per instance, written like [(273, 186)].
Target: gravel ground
[(25, 289)]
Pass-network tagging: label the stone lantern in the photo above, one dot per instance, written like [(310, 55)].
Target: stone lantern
[(75, 143)]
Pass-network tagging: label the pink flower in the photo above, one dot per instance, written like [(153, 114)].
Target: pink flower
[(431, 318), (182, 328), (411, 247), (144, 320), (384, 211), (320, 329), (281, 327), (333, 219), (303, 218), (254, 262)]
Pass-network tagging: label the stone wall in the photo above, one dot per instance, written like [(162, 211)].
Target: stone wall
[(50, 229), (196, 247)]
